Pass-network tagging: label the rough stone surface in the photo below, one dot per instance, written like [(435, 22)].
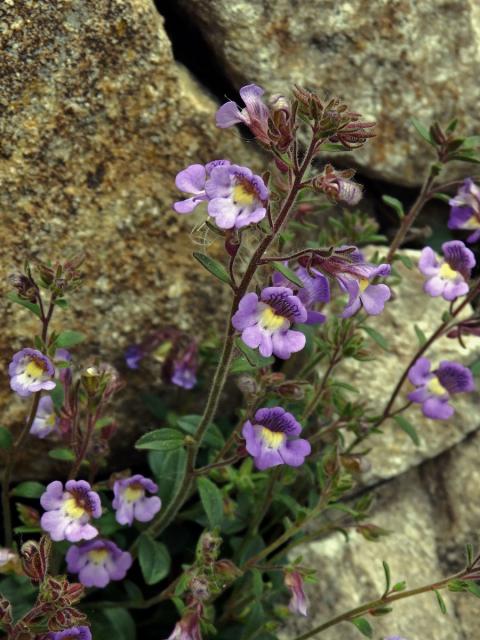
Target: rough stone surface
[(432, 511), (394, 452), (96, 120), (389, 60)]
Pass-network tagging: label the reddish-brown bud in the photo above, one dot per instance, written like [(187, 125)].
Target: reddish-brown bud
[(35, 558)]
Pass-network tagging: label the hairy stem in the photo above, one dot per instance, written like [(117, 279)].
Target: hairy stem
[(220, 376), (379, 602), (411, 216)]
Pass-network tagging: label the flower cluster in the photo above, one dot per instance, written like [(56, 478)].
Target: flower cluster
[(174, 350), (235, 197), (67, 516)]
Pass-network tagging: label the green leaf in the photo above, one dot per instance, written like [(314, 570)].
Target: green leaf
[(421, 337), (469, 553), (333, 147), (29, 490), (113, 623), (168, 467), (241, 365), (288, 273), (253, 356), (409, 429), (257, 583), (213, 436), (376, 337), (154, 559), (61, 302), (31, 306), (423, 131), (58, 395), (62, 453), (475, 368), (473, 588), (363, 626), (441, 602), (399, 586), (165, 439), (213, 266), (395, 204), (67, 339), (386, 569), (212, 501), (6, 438), (444, 197), (405, 260)]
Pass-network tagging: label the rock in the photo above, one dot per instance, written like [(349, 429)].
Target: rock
[(394, 452), (97, 121), (389, 60), (431, 512)]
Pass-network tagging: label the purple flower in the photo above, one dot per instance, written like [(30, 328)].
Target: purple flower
[(293, 580), (133, 356), (315, 289), (46, 421), (82, 633), (188, 628), (192, 180), (236, 196), (270, 439), (184, 367), (465, 211), (98, 562), (30, 371), (434, 388), (255, 115), (69, 511), (265, 323), (447, 278), (354, 277), (130, 501)]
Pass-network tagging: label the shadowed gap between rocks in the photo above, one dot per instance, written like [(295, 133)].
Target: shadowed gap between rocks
[(192, 50)]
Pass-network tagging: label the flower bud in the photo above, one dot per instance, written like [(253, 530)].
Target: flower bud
[(247, 385), (226, 570), (25, 287), (35, 558)]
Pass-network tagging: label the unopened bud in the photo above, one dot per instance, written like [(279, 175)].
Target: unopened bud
[(371, 532), (35, 558), (247, 385), (227, 570)]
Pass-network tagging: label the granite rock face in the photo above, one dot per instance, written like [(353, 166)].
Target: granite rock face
[(394, 452), (97, 119), (388, 60), (431, 511)]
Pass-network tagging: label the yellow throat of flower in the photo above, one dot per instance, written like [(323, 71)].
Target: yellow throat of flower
[(98, 556), (134, 492), (472, 223), (436, 387), (447, 272), (270, 320), (273, 439), (363, 284), (34, 370), (242, 196), (73, 509)]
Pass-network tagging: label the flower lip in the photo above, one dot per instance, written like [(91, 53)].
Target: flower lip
[(284, 303)]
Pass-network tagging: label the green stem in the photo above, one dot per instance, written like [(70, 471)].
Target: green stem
[(379, 602), (411, 216), (441, 330), (7, 473), (334, 360), (167, 515)]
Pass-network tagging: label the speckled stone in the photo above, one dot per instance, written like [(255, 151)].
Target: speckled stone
[(431, 512), (96, 120), (394, 452), (391, 60)]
